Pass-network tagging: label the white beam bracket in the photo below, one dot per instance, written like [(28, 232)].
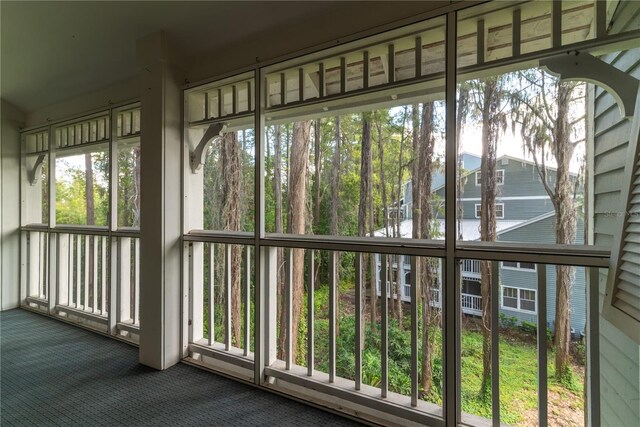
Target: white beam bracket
[(581, 66), (36, 170), (196, 157)]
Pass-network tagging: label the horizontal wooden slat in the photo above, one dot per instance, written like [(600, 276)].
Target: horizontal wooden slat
[(631, 309), (630, 275), (611, 138), (632, 237), (631, 289), (611, 160), (608, 182), (632, 246)]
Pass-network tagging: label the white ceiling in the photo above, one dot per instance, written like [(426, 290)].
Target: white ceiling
[(53, 51)]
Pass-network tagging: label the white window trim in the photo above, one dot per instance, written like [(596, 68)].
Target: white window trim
[(519, 310), (477, 205), (518, 268), (499, 172)]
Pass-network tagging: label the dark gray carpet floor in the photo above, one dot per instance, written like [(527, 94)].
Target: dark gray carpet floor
[(56, 374)]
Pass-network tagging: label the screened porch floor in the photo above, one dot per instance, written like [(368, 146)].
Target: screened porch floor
[(53, 373)]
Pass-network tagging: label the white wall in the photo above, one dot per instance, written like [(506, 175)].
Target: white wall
[(11, 119)]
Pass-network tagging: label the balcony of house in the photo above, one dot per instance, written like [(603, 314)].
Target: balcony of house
[(425, 214)]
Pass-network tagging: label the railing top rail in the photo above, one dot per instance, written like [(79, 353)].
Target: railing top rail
[(126, 232), (35, 227), (585, 256), (231, 237), (83, 229)]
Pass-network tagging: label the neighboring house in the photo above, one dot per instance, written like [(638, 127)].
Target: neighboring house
[(525, 214)]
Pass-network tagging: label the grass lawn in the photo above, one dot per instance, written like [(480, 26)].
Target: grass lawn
[(518, 383)]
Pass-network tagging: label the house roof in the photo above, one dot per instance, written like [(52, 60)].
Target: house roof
[(470, 228)]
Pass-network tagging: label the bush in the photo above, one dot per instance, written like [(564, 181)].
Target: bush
[(507, 322), (528, 327)]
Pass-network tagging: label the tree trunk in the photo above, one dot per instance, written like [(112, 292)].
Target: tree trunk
[(232, 213), (488, 188), (136, 187), (296, 224), (317, 161), (428, 271), (277, 191), (365, 184), (565, 229)]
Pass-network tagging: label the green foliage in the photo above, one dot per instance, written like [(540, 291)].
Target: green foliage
[(507, 321), (71, 204), (528, 327)]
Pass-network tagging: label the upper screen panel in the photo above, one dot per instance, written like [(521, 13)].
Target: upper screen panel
[(355, 138), (220, 161), (525, 149)]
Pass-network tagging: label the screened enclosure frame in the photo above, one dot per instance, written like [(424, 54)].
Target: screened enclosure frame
[(452, 251), (105, 296)]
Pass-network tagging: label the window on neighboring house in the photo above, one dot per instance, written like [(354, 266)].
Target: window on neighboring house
[(519, 299), (527, 300), (499, 177), (499, 210), (407, 285), (529, 266)]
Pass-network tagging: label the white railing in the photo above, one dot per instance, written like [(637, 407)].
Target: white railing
[(35, 271), (220, 282), (126, 263), (471, 304), (86, 275), (470, 268), (82, 272)]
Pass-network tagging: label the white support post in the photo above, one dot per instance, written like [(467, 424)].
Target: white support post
[(24, 267), (196, 269), (269, 298), (62, 277), (110, 289), (42, 265), (33, 264), (161, 83), (114, 285), (124, 280), (85, 266), (264, 302), (78, 269), (136, 283), (94, 302), (53, 239), (185, 332), (103, 271), (54, 266)]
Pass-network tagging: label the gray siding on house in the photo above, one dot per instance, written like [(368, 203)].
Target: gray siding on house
[(513, 209), (521, 180), (619, 355), (543, 231)]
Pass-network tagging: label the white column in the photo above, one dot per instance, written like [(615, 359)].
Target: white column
[(160, 322), (10, 206)]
